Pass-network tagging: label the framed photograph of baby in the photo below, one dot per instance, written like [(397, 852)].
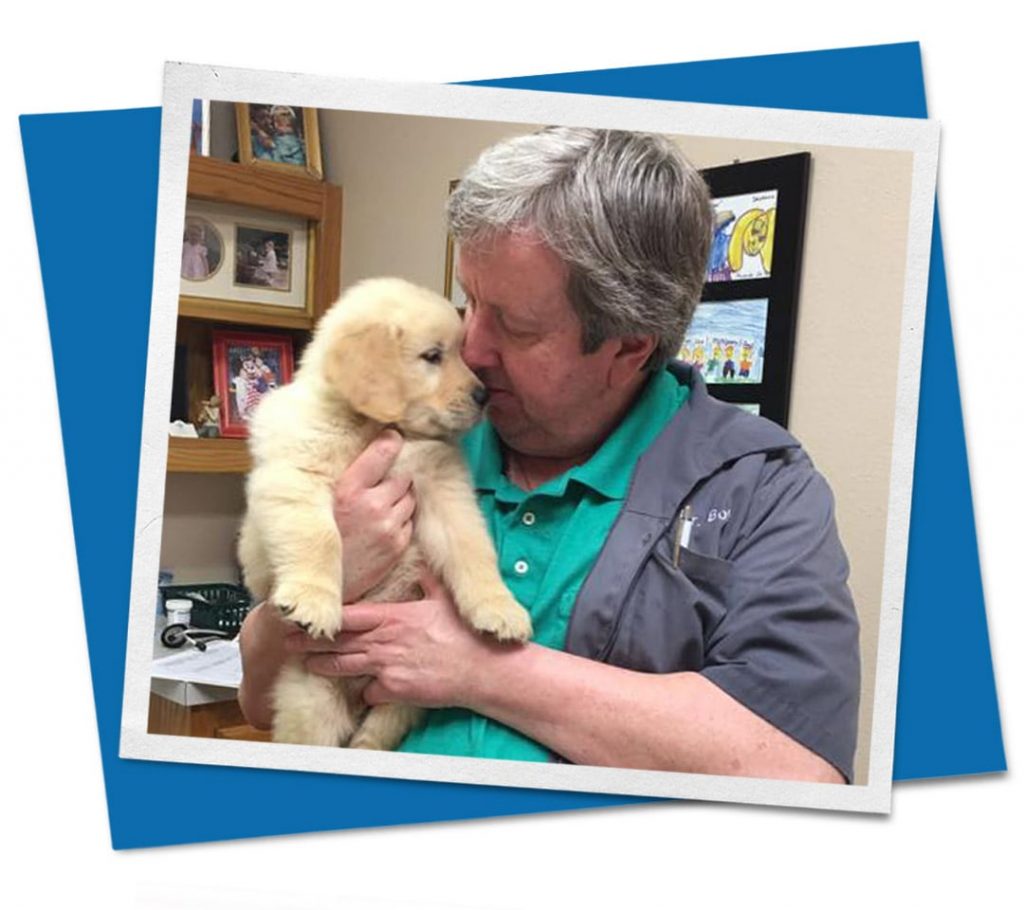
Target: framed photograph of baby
[(246, 261), (279, 136), (247, 365), (202, 250)]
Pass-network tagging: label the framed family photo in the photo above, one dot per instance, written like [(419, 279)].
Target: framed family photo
[(280, 136), (452, 288), (247, 260), (246, 366)]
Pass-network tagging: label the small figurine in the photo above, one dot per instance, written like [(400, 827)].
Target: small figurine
[(209, 418)]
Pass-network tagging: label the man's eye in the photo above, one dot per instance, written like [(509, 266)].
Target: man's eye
[(434, 356)]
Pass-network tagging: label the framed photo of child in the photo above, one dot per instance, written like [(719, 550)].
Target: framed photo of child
[(246, 366), (202, 250), (280, 136), (248, 264), (262, 258)]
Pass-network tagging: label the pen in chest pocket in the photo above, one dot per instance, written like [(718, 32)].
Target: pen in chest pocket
[(684, 527)]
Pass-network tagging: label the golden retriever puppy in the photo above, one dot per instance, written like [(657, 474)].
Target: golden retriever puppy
[(386, 354)]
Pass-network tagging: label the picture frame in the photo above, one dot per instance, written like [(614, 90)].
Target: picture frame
[(280, 136), (227, 195), (248, 258), (756, 255), (452, 289), (247, 365), (263, 258), (200, 138)]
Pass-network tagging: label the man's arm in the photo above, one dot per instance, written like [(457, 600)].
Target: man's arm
[(587, 712), (622, 718), (262, 645)]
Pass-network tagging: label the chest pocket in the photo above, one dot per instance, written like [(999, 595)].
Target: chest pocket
[(672, 611)]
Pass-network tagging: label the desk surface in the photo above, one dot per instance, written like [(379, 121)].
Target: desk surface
[(187, 694)]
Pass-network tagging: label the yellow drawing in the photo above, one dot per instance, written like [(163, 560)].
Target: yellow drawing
[(753, 235), (769, 243)]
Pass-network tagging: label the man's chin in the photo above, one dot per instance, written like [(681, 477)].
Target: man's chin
[(504, 415)]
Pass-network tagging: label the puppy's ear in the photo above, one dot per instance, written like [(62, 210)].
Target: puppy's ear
[(365, 368)]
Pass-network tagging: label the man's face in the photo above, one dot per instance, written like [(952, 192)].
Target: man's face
[(523, 340)]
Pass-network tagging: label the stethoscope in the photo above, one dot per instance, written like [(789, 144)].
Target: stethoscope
[(177, 634)]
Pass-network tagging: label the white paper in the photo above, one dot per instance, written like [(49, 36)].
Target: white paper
[(219, 665)]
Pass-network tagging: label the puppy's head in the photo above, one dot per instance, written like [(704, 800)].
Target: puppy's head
[(390, 350)]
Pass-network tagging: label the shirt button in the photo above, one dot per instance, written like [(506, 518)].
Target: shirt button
[(529, 518), (521, 567)]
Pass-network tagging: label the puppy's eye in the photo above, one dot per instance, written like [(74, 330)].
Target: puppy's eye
[(434, 356)]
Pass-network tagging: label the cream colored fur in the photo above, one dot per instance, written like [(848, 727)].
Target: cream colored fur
[(368, 366)]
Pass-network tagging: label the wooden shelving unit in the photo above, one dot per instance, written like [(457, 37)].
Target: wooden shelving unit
[(269, 190), (207, 456)]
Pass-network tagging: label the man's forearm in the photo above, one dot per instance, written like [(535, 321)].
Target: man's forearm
[(595, 714), (261, 642)]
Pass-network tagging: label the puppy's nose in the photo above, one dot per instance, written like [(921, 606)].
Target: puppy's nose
[(480, 395)]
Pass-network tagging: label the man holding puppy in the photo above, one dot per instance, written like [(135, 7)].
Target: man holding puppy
[(679, 558)]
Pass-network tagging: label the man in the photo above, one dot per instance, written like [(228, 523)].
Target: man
[(679, 557)]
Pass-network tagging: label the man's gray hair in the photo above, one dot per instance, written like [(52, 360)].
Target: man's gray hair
[(626, 212)]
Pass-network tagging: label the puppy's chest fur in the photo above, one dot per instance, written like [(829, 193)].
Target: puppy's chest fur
[(293, 428), (437, 475)]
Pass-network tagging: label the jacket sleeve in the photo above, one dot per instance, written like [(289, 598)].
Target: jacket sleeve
[(787, 646)]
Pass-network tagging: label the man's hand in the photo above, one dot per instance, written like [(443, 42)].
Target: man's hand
[(374, 516), (420, 652)]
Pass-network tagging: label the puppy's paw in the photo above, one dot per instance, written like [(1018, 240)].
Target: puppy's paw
[(363, 740), (313, 609), (502, 617)]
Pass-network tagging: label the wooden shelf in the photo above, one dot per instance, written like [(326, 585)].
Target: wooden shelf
[(316, 201), (265, 317), (208, 456)]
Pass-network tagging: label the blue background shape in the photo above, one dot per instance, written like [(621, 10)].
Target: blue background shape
[(942, 729)]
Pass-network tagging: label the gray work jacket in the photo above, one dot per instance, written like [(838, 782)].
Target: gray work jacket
[(759, 603)]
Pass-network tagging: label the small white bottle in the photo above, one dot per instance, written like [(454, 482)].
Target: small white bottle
[(179, 610)]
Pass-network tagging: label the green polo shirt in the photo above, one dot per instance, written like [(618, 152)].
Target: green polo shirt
[(547, 540)]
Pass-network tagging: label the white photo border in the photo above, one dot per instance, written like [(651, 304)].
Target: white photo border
[(183, 82)]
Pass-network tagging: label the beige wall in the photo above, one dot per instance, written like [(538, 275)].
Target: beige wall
[(395, 172), (201, 516)]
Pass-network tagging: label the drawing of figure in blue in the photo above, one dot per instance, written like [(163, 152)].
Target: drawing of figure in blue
[(718, 261)]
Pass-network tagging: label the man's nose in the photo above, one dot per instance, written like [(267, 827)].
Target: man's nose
[(478, 349)]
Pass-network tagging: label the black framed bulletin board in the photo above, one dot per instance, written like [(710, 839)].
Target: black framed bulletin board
[(742, 334)]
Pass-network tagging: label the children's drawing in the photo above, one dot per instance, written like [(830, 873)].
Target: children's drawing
[(726, 340), (744, 237)]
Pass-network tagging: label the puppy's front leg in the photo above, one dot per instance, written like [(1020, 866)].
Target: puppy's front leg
[(384, 727), (456, 543), (295, 517), (311, 710)]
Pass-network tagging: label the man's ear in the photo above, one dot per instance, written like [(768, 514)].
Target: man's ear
[(365, 368), (630, 358)]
